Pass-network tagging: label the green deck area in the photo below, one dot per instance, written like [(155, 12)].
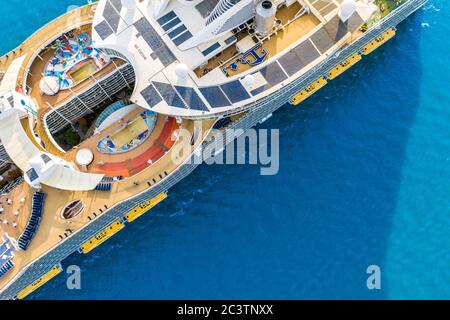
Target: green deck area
[(387, 6)]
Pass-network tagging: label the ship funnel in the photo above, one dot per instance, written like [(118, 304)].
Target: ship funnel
[(265, 17)]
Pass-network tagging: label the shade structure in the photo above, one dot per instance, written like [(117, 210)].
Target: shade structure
[(49, 85)]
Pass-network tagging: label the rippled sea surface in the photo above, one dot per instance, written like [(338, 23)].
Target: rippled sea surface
[(364, 179)]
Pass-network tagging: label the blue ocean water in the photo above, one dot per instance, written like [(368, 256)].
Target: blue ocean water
[(364, 179)]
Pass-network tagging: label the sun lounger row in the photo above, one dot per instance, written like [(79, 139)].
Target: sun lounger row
[(6, 267), (36, 215)]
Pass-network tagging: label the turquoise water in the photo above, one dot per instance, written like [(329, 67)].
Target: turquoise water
[(364, 179)]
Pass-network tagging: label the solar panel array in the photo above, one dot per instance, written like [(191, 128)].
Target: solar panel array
[(177, 30), (303, 54), (117, 4), (322, 40), (299, 57), (169, 94), (273, 74), (151, 96), (103, 29), (154, 41), (111, 15), (336, 29), (211, 49), (215, 97), (166, 18), (191, 98), (233, 92), (175, 96), (172, 23), (45, 158), (182, 38), (354, 22), (230, 40), (32, 175)]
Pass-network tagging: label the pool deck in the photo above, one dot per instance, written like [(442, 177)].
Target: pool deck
[(128, 132), (43, 101), (69, 21)]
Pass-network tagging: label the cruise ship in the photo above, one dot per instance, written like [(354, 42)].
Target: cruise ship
[(93, 103)]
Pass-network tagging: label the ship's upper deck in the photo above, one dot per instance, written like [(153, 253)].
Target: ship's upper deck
[(192, 60)]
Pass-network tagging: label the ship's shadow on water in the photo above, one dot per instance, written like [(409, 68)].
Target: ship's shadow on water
[(309, 232)]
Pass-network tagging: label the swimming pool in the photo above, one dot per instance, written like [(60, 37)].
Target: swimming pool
[(129, 136)]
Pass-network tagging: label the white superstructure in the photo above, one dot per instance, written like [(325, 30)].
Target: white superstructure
[(157, 36)]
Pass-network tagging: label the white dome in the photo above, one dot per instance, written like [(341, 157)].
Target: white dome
[(182, 71), (49, 86), (84, 157), (348, 7)]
